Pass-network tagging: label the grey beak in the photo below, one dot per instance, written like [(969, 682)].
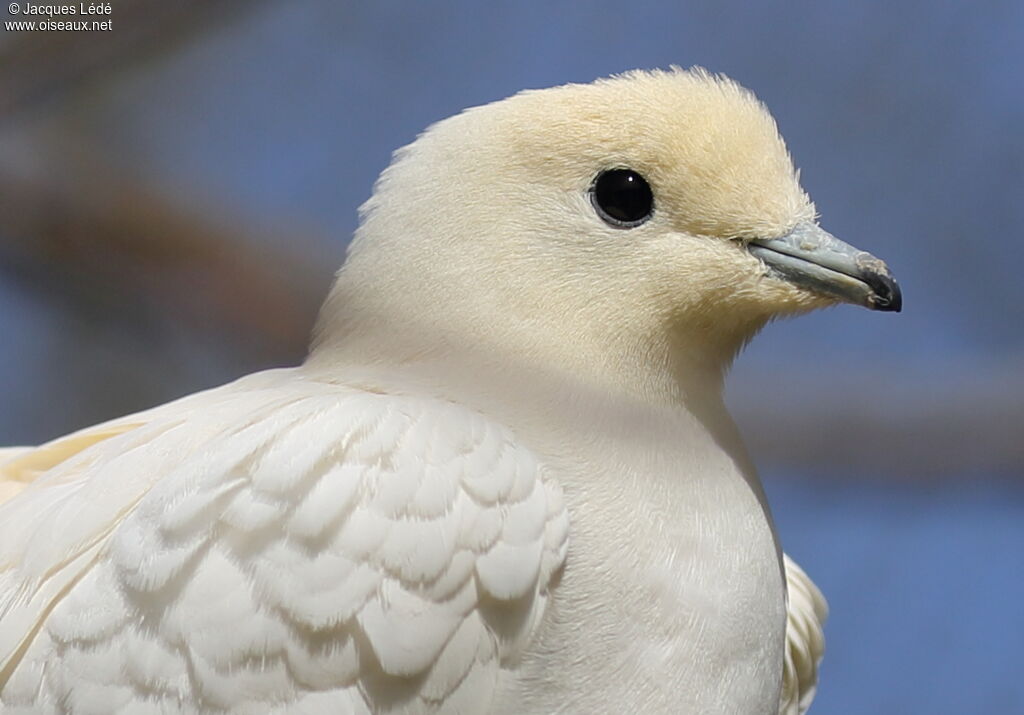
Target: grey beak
[(811, 257)]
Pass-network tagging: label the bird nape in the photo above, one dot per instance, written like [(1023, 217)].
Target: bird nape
[(504, 480)]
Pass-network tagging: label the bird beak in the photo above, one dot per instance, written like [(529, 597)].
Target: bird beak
[(811, 257)]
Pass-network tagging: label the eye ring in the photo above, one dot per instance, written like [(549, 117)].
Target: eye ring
[(622, 197)]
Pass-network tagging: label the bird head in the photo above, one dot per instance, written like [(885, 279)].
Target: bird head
[(646, 223)]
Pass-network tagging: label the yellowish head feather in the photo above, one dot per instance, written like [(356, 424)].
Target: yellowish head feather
[(483, 229), (708, 145)]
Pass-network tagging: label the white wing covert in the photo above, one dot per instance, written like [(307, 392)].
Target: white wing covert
[(306, 550), (805, 640)]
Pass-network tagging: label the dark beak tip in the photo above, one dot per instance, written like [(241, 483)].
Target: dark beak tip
[(887, 294), (897, 303)]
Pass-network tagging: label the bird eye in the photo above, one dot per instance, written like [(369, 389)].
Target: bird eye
[(622, 198)]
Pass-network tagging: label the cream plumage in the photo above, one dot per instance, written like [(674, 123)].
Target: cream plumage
[(503, 482)]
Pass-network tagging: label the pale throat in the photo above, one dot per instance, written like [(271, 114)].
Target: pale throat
[(618, 342)]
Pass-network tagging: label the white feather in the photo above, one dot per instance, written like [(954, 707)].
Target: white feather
[(503, 482), (805, 640), (281, 557)]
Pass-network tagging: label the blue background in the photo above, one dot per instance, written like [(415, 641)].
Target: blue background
[(891, 445)]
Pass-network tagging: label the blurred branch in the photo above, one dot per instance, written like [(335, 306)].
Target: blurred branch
[(39, 65), (111, 248), (928, 425)]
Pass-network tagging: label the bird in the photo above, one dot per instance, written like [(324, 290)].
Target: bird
[(504, 480)]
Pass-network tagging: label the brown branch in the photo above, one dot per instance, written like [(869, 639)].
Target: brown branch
[(113, 249), (952, 424)]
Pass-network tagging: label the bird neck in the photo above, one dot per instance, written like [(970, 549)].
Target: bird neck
[(679, 357), (447, 365)]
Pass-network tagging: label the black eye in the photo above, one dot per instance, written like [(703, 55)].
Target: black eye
[(622, 198)]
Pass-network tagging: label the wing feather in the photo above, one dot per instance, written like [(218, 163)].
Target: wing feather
[(805, 640), (273, 544)]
